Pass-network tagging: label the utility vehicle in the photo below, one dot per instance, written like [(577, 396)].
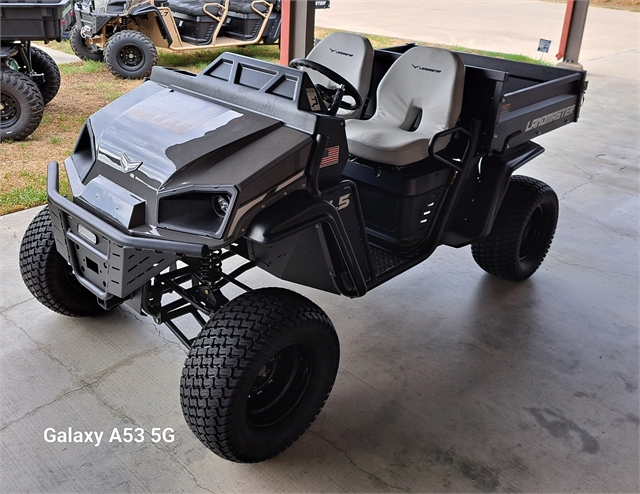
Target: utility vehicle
[(30, 77), (246, 164), (125, 33)]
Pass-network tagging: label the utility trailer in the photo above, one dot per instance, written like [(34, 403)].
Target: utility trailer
[(247, 163), (30, 77)]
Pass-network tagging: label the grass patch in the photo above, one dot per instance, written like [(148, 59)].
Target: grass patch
[(25, 197), (88, 86), (195, 61), (32, 192), (506, 56), (88, 67)]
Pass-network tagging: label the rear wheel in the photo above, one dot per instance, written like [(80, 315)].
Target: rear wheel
[(81, 48), (42, 63), (130, 54), (258, 374), (21, 106), (47, 274), (522, 232)]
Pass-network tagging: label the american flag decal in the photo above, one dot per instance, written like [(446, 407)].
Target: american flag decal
[(331, 156)]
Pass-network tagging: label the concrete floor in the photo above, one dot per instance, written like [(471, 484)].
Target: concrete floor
[(450, 380)]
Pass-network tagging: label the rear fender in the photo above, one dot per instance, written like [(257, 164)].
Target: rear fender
[(482, 195)]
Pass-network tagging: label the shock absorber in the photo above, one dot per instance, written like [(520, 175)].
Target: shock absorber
[(210, 268)]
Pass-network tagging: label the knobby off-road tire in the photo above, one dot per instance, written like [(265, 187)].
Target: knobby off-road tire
[(48, 276), (80, 48), (130, 55), (258, 374), (21, 106), (42, 63), (522, 232)]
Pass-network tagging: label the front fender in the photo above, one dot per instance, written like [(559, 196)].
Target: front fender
[(301, 211), (153, 10)]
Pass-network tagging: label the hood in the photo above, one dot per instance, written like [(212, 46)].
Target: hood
[(171, 130), (158, 157)]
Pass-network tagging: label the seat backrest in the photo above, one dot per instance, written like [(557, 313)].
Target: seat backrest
[(424, 86), (349, 55)]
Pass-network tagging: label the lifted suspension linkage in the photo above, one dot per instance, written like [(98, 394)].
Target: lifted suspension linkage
[(200, 300)]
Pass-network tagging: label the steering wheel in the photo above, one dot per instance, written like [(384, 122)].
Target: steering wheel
[(333, 95)]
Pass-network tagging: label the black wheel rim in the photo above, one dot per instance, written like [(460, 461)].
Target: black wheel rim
[(10, 110), (279, 386), (131, 57), (531, 234)]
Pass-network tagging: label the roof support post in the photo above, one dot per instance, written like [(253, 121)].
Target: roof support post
[(572, 34), (297, 34)]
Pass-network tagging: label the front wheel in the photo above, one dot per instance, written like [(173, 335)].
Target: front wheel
[(130, 54), (522, 232), (258, 374), (21, 106), (48, 276)]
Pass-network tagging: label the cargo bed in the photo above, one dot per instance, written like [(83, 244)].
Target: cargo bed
[(35, 20), (515, 101)]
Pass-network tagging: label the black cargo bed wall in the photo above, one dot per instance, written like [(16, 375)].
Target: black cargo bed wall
[(36, 21)]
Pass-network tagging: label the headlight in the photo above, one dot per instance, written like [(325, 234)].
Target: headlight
[(221, 204), (204, 213)]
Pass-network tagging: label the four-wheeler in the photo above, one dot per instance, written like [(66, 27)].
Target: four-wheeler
[(125, 33), (30, 77), (188, 181)]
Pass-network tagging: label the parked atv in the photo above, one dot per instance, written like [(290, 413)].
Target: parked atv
[(126, 33), (30, 77), (247, 164)]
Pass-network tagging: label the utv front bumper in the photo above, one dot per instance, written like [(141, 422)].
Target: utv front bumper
[(106, 261)]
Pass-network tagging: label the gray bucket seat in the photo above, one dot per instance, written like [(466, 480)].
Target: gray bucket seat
[(419, 96), (349, 55)]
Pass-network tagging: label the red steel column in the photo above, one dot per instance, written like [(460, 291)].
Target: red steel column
[(565, 28), (285, 32), (296, 31), (570, 47)]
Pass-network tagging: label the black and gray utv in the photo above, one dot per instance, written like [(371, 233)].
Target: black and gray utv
[(248, 165), (30, 77)]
